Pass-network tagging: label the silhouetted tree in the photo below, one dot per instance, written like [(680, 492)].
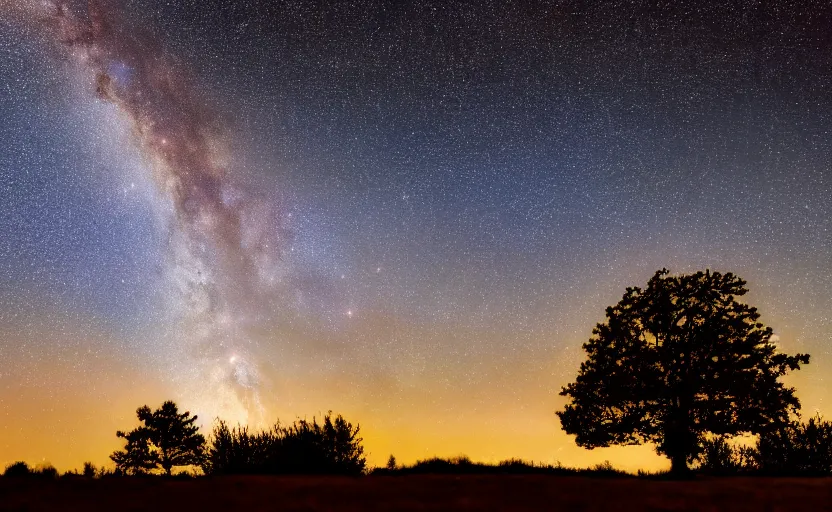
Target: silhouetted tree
[(137, 458), (675, 361), (797, 449), (47, 471), (17, 469), (331, 447), (89, 470), (166, 439), (391, 463), (238, 451)]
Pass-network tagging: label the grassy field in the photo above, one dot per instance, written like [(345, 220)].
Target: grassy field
[(417, 492)]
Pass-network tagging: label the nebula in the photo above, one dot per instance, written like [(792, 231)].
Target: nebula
[(224, 243)]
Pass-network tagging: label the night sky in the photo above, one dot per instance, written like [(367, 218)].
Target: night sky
[(411, 213)]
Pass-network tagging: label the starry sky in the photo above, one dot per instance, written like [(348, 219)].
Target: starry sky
[(411, 213)]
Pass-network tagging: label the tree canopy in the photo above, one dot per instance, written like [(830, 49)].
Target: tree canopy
[(675, 361), (166, 439)]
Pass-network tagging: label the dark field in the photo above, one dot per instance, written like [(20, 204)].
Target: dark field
[(417, 493)]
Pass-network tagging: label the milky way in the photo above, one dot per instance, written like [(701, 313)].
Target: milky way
[(224, 243)]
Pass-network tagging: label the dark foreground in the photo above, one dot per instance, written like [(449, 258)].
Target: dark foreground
[(492, 492)]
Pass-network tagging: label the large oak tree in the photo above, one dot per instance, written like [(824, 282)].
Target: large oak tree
[(676, 361)]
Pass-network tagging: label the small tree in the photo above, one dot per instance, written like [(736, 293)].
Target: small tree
[(89, 470), (167, 439), (676, 361), (391, 463), (344, 445)]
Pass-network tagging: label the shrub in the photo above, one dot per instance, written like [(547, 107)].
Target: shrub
[(17, 469), (21, 469), (89, 470), (718, 457), (797, 449), (46, 471), (304, 447)]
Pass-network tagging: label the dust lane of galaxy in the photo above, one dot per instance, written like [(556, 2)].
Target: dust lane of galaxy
[(223, 243), (412, 213)]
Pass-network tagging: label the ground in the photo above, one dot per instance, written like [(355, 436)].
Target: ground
[(417, 493)]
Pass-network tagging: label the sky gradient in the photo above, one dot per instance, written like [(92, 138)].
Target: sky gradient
[(411, 213)]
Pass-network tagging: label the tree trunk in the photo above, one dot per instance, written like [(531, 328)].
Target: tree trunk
[(679, 445), (679, 465), (680, 440)]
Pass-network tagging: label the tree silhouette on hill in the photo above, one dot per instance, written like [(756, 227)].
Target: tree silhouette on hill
[(675, 361), (166, 439)]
